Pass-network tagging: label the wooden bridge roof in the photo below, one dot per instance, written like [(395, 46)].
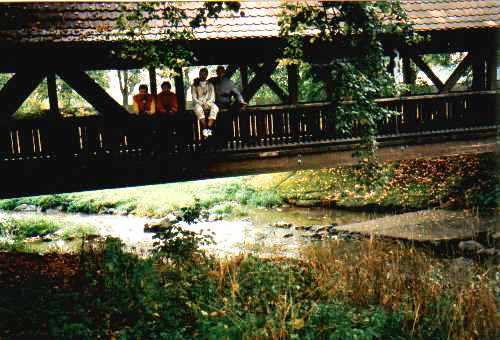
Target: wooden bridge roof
[(95, 21)]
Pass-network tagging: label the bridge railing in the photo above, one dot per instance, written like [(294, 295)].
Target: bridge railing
[(253, 127)]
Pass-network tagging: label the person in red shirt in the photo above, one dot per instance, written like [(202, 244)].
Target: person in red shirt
[(144, 103), (166, 100)]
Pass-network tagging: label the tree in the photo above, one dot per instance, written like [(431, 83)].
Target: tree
[(357, 80), (128, 79)]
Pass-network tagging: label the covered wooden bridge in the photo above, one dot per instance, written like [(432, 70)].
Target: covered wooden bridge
[(56, 154)]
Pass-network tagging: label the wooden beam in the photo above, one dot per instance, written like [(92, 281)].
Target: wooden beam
[(428, 72), (478, 71), (52, 93), (293, 83), (230, 70), (152, 81), (266, 79), (82, 83), (258, 80), (277, 90), (244, 77), (179, 90), (17, 90), (491, 73), (457, 73), (409, 74), (326, 78)]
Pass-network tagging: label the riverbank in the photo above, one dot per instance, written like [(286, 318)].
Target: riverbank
[(458, 182)]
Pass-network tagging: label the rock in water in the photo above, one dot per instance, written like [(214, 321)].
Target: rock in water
[(25, 207), (496, 239), (157, 227), (487, 252), (307, 203), (470, 246), (281, 224)]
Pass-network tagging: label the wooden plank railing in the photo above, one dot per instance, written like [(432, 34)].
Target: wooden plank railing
[(254, 127)]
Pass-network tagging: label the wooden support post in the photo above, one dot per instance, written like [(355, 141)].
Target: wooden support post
[(52, 92), (392, 63), (457, 73), (17, 90), (491, 73), (293, 84), (244, 77), (409, 74), (179, 90), (93, 93), (428, 72), (326, 77), (152, 81), (478, 71)]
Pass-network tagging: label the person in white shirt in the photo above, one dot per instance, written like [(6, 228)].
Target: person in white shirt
[(203, 94)]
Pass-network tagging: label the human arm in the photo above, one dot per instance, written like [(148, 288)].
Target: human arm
[(152, 106), (174, 105), (135, 105), (211, 94), (194, 95)]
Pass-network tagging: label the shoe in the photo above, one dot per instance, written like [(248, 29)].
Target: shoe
[(205, 133), (209, 132)]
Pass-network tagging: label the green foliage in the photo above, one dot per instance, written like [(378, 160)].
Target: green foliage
[(339, 321), (180, 245), (179, 293), (358, 80), (192, 212), (24, 228)]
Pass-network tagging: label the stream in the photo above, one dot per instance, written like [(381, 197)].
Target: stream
[(232, 235)]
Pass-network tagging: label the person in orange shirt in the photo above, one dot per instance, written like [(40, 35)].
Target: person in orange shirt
[(166, 100), (144, 103)]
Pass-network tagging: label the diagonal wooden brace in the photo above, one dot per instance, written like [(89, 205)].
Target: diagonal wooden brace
[(428, 72), (457, 73), (82, 83), (17, 90), (263, 76)]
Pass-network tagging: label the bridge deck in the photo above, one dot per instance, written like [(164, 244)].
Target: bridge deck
[(39, 156)]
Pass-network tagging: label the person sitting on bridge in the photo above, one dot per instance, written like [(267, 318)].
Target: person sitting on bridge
[(166, 100), (144, 103), (203, 94), (225, 90)]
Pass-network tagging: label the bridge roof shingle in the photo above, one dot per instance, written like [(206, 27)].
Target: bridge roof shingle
[(95, 21)]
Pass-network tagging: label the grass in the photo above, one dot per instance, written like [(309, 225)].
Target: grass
[(154, 200), (77, 232), (23, 228), (339, 290), (15, 231), (460, 181), (466, 181)]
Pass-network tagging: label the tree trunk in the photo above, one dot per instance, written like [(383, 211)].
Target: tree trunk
[(123, 80)]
